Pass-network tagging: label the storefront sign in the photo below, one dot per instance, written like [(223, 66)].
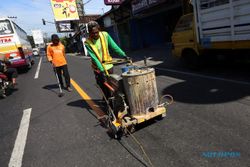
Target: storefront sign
[(153, 2), (64, 27), (113, 2), (139, 5)]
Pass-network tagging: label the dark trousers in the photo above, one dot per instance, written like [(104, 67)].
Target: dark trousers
[(100, 82), (11, 73), (64, 70)]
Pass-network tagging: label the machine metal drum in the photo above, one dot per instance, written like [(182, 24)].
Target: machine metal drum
[(141, 91)]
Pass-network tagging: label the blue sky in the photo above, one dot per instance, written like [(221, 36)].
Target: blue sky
[(29, 13)]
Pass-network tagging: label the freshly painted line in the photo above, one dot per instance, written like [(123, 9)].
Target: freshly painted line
[(204, 76), (17, 153), (88, 99), (38, 68)]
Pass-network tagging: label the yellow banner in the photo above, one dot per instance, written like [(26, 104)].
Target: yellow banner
[(64, 10)]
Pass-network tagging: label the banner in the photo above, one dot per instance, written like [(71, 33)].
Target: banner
[(113, 2), (64, 10), (64, 27)]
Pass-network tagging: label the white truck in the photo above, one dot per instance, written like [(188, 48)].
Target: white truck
[(220, 27), (38, 37)]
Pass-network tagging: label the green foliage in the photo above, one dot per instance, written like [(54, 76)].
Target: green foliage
[(64, 41), (31, 40)]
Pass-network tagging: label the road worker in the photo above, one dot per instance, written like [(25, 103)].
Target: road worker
[(56, 56), (98, 45)]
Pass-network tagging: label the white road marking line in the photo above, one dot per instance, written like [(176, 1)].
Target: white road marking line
[(205, 76), (38, 68), (17, 153)]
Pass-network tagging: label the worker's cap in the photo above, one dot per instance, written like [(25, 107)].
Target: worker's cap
[(92, 24)]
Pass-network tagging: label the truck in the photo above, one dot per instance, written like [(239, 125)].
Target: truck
[(38, 37), (215, 27)]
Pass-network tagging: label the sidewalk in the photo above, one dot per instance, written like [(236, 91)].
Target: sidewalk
[(159, 55)]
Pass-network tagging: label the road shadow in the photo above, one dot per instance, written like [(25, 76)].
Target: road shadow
[(196, 89), (201, 90), (84, 104), (188, 92), (52, 87), (133, 152), (9, 92), (97, 112)]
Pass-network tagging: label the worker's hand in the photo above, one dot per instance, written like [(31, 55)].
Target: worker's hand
[(128, 59)]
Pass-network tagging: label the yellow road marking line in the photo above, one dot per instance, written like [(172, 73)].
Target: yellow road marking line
[(88, 99)]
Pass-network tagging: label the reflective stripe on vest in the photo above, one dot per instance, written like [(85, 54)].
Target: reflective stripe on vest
[(105, 54)]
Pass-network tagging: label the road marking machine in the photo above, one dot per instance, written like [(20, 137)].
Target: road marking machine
[(134, 99)]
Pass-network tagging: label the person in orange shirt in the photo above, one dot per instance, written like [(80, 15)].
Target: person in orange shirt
[(56, 56)]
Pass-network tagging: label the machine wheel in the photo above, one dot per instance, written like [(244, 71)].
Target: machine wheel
[(132, 129), (113, 131), (118, 135), (2, 94)]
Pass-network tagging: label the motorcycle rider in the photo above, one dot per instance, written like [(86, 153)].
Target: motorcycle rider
[(11, 73)]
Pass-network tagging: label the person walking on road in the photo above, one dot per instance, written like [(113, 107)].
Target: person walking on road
[(97, 45), (56, 56)]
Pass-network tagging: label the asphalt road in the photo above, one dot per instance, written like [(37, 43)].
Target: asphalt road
[(209, 115)]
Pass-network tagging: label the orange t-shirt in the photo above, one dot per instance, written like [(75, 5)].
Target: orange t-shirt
[(56, 54)]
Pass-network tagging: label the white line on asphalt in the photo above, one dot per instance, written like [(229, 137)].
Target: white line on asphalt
[(205, 76), (38, 68), (17, 153)]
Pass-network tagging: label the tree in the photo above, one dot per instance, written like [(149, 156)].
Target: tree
[(31, 40)]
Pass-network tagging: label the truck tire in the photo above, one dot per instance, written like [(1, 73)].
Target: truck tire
[(191, 59)]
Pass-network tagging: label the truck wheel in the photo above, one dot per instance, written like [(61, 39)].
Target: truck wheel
[(191, 59)]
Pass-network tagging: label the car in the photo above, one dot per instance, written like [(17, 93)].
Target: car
[(35, 51), (42, 51)]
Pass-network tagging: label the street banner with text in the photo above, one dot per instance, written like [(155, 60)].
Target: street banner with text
[(64, 10)]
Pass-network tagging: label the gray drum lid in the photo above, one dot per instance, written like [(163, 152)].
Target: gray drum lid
[(138, 72)]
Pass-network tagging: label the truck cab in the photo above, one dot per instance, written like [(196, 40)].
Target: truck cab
[(184, 40), (218, 29)]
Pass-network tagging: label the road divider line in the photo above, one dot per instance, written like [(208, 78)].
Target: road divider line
[(204, 76), (18, 151), (38, 68), (88, 99)]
